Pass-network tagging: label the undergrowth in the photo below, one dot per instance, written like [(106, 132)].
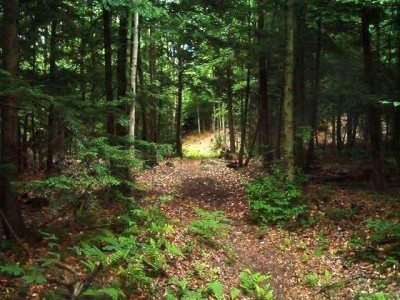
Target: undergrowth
[(275, 198)]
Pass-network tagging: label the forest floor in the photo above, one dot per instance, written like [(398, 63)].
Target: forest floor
[(315, 260), (329, 253)]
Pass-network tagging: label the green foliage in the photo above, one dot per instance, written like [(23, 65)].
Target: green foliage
[(312, 279), (113, 293), (209, 225), (275, 198), (256, 284), (384, 230), (217, 289), (376, 296), (183, 292), (11, 270)]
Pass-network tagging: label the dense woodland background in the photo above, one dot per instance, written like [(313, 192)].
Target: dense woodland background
[(93, 91)]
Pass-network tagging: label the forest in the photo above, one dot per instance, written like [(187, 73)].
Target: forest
[(200, 149)]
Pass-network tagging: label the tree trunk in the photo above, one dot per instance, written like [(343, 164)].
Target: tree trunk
[(374, 124), (396, 117), (302, 104), (231, 121), (134, 63), (11, 212), (108, 69), (141, 95), (154, 100), (265, 141), (288, 123), (339, 133), (315, 99), (51, 123), (243, 120), (121, 68), (178, 137)]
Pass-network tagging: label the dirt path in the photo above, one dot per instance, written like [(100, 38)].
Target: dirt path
[(209, 184)]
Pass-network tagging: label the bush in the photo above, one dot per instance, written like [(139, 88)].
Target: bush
[(275, 198)]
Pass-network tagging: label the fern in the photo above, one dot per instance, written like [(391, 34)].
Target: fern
[(217, 289), (12, 270), (113, 293), (209, 224)]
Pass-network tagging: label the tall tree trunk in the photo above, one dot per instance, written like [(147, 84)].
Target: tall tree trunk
[(121, 68), (374, 124), (265, 141), (288, 121), (231, 121), (302, 104), (244, 114), (154, 100), (34, 144), (315, 98), (141, 95), (9, 206), (396, 117), (134, 63), (51, 123), (24, 149), (178, 137), (339, 133), (108, 69)]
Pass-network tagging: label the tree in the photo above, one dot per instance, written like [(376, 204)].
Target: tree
[(374, 124), (288, 121), (9, 205)]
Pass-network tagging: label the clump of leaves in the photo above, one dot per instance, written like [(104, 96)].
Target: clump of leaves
[(256, 284), (183, 292), (209, 225), (275, 198), (312, 279)]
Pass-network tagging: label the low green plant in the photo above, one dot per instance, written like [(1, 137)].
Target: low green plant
[(377, 296), (384, 231), (312, 279), (323, 243), (183, 292), (209, 225), (275, 198), (256, 284)]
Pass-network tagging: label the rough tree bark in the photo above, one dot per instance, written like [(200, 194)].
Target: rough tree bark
[(288, 123), (315, 98), (374, 124), (51, 123), (265, 139), (9, 206), (108, 69), (121, 68), (231, 121), (133, 71), (178, 137)]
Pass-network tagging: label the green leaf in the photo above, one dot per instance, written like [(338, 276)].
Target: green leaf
[(217, 289), (13, 270)]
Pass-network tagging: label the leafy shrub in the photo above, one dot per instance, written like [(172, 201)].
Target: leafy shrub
[(183, 292), (275, 198), (384, 230), (209, 224), (256, 284)]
